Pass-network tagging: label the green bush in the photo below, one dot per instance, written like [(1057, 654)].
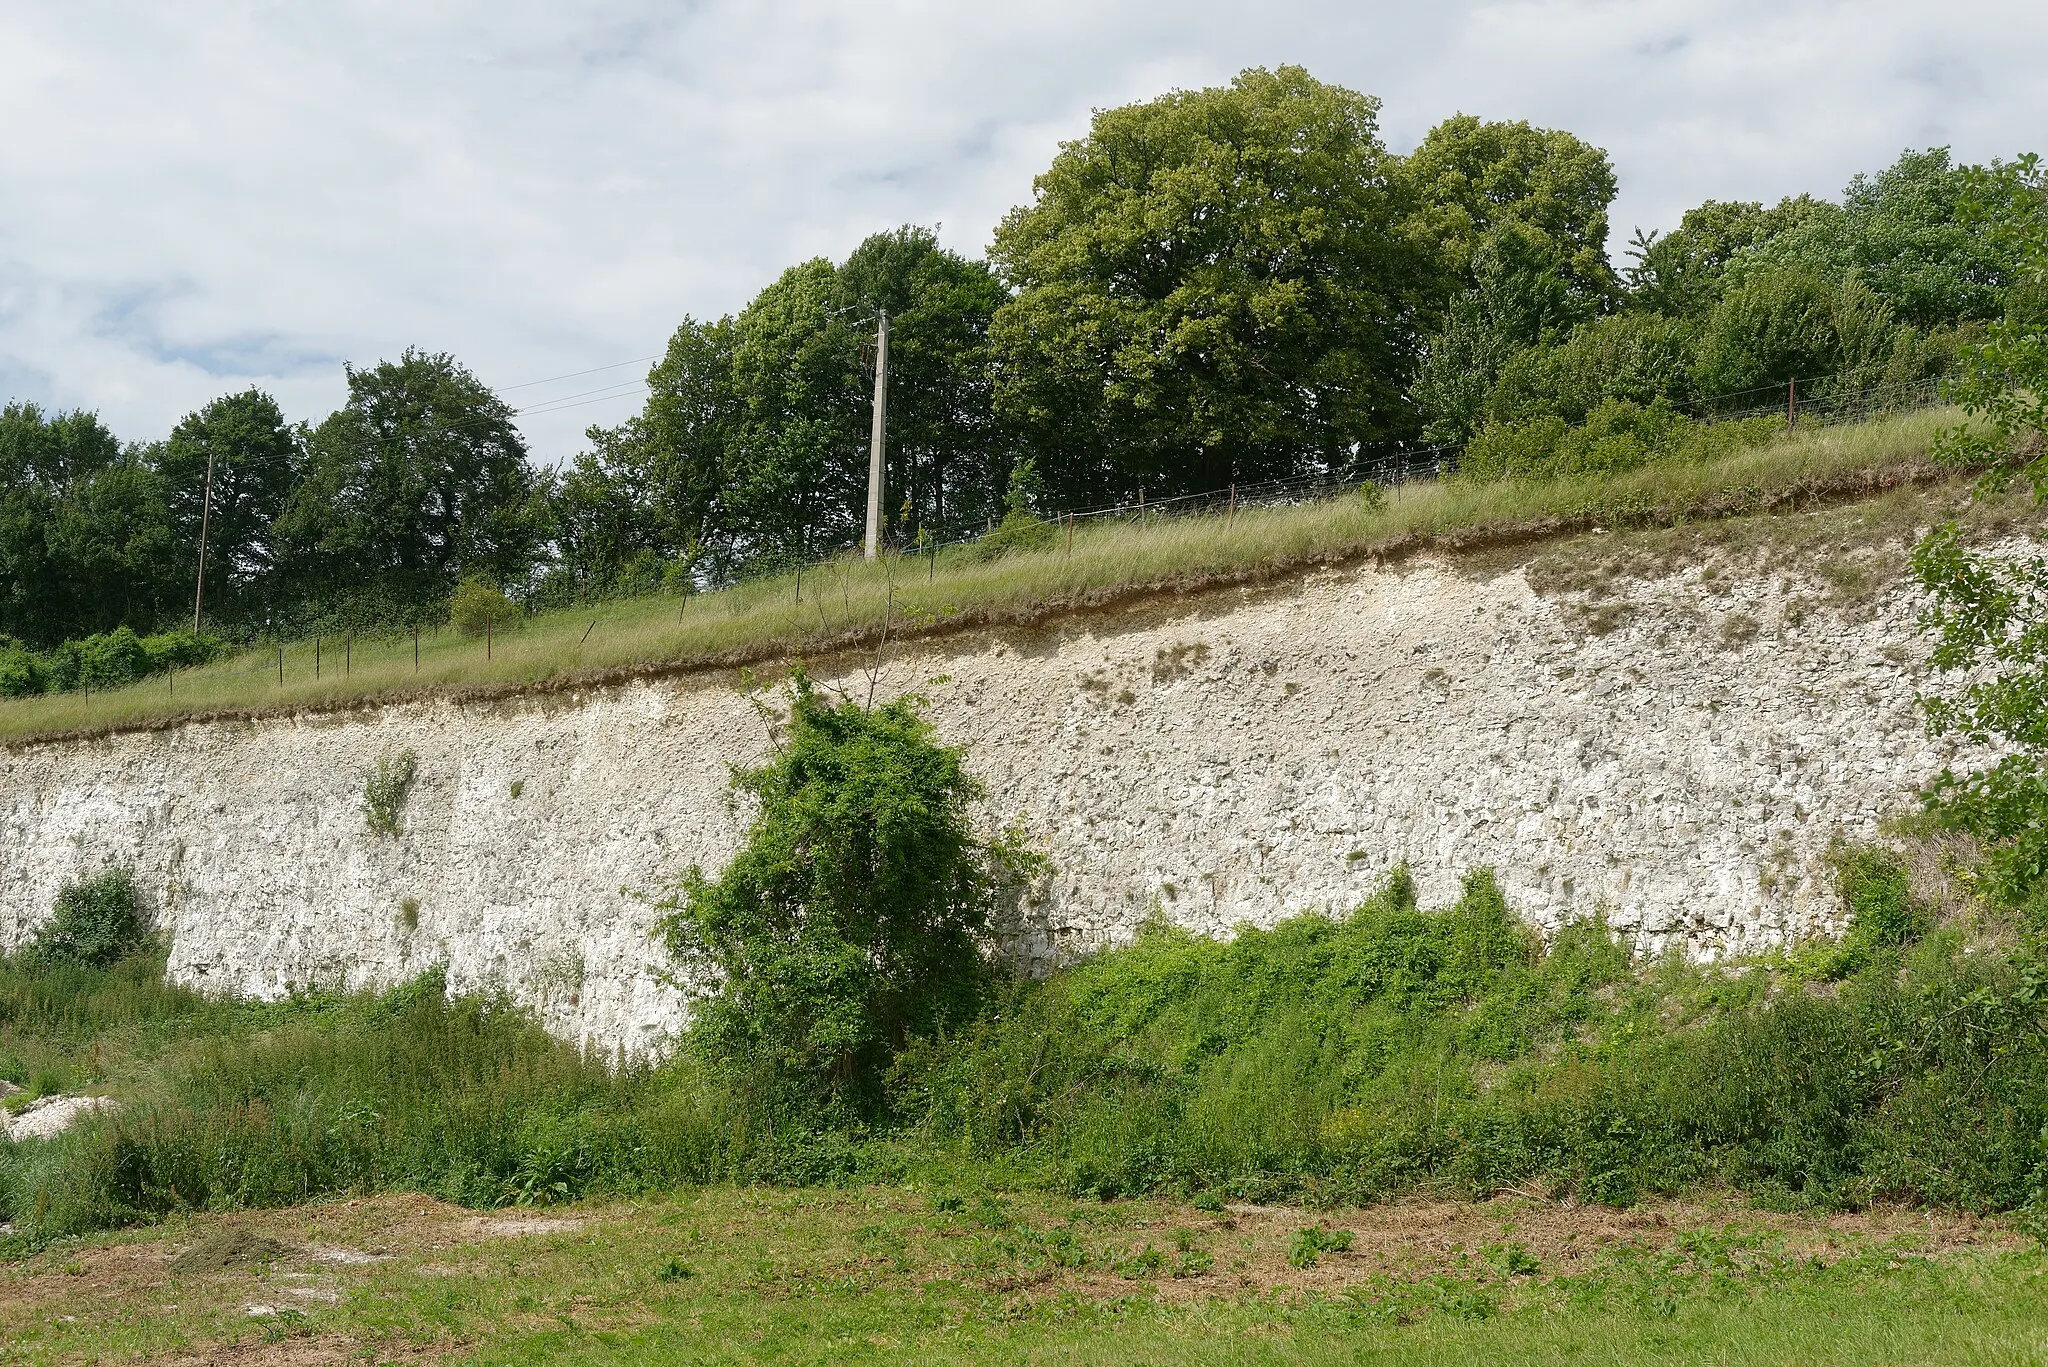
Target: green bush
[(111, 660), (478, 606), (1021, 529), (94, 922), (850, 920), (1617, 436)]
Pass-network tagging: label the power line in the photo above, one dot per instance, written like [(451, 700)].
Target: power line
[(632, 390), (574, 374)]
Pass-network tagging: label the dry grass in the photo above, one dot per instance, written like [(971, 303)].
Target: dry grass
[(845, 605)]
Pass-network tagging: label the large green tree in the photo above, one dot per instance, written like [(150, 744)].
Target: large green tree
[(753, 447), (256, 459), (1211, 286), (85, 538), (1469, 178), (418, 479), (1514, 220)]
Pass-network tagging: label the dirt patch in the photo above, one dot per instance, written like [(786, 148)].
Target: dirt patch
[(227, 1248), (292, 1351), (1257, 1249), (518, 1227)]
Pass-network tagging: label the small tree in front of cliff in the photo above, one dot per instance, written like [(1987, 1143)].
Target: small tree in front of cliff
[(851, 919)]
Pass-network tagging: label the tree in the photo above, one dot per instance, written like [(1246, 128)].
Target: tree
[(85, 543), (1210, 287), (1989, 612), (1636, 357), (2004, 379), (1768, 330), (1681, 273), (257, 459), (850, 919), (1469, 178), (419, 478), (1906, 231)]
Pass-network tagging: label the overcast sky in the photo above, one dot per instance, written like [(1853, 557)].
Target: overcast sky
[(201, 196)]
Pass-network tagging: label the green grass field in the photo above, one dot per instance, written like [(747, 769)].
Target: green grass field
[(847, 602), (890, 1275)]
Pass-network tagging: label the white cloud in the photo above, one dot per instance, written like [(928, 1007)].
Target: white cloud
[(203, 196)]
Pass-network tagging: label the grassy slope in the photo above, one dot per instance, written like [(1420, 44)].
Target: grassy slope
[(846, 602)]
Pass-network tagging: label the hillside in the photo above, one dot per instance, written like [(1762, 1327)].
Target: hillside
[(848, 605)]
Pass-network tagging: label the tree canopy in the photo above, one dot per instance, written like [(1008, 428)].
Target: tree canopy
[(1214, 287), (1211, 286)]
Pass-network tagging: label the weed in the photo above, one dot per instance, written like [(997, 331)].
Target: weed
[(409, 913), (385, 789), (1310, 1242), (1738, 629), (675, 1270)]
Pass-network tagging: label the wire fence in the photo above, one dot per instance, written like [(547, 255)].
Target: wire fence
[(1806, 402)]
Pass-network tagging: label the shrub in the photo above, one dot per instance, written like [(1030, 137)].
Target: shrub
[(385, 789), (1021, 529), (850, 918), (94, 922), (478, 606)]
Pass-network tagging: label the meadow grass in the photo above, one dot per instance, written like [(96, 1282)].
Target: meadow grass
[(846, 602), (891, 1275)]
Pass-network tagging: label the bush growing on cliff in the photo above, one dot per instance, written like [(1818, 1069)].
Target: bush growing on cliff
[(385, 789), (850, 920), (94, 922)]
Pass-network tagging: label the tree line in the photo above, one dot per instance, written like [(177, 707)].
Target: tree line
[(1216, 286)]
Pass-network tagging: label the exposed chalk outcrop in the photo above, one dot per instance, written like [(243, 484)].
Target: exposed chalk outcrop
[(1235, 758)]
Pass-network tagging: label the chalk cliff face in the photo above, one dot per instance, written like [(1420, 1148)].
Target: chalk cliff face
[(1680, 755)]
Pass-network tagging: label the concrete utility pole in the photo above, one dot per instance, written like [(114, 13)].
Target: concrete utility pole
[(879, 442), (205, 511)]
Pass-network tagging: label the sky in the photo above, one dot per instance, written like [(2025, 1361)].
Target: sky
[(201, 197)]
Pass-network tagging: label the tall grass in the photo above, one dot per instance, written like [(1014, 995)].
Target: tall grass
[(1326, 1059), (850, 599)]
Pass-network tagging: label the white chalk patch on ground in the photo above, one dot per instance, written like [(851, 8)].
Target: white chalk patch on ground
[(52, 1115)]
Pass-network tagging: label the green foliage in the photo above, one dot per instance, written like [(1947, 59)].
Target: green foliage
[(117, 658), (2004, 379), (418, 479), (479, 606), (94, 922), (1989, 615), (1468, 178), (1884, 916), (1921, 234), (1616, 436), (1210, 286), (1310, 1242), (1021, 529), (1348, 1060), (257, 458), (753, 445), (850, 919), (385, 789), (1681, 274), (1638, 358)]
